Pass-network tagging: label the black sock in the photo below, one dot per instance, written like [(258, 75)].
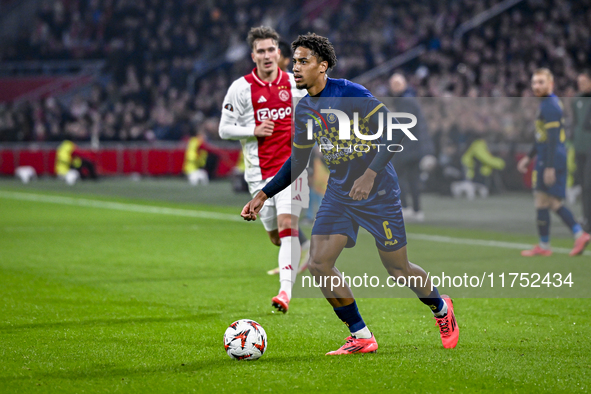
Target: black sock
[(349, 314), (434, 301)]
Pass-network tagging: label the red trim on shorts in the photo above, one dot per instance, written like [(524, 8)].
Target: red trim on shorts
[(288, 233)]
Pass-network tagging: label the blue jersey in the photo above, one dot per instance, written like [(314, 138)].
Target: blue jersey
[(550, 134), (347, 160)]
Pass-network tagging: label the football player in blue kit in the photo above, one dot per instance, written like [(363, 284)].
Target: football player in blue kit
[(549, 177), (362, 190)]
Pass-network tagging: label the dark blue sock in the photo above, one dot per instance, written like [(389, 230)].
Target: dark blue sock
[(349, 314), (544, 225), (568, 219), (433, 300)]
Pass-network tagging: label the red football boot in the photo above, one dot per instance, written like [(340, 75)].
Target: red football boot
[(536, 251), (580, 244), (356, 345), (448, 327), (281, 302)]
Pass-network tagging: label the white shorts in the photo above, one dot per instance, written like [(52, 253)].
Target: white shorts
[(289, 201)]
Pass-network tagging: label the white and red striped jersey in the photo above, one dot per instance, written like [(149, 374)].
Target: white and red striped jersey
[(247, 104)]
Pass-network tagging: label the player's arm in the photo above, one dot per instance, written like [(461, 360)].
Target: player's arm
[(552, 119), (288, 173), (231, 131), (525, 160), (364, 183), (234, 108)]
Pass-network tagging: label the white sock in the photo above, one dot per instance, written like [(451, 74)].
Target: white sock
[(289, 262), (363, 333), (443, 310), (545, 245), (578, 234)]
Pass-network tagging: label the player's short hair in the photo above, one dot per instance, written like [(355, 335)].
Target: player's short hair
[(320, 47), (285, 49), (544, 71), (586, 72), (261, 33)]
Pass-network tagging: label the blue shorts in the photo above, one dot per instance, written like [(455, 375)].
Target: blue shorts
[(558, 189), (382, 218)]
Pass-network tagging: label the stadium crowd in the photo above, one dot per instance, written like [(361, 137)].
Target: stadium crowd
[(158, 53)]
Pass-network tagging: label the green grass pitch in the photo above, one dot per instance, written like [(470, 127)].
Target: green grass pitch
[(98, 299)]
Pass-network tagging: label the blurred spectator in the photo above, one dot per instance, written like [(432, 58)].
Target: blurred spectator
[(416, 154), (153, 47), (195, 160), (479, 164), (71, 164), (581, 108), (285, 56)]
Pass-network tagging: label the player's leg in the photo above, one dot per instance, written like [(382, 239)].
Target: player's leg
[(289, 258), (300, 200), (268, 216), (581, 237), (333, 231), (383, 219), (289, 204), (397, 264), (324, 251), (542, 204), (281, 233), (274, 237), (305, 245), (275, 240), (323, 255)]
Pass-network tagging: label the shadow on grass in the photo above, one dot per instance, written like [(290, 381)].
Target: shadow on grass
[(110, 371), (244, 273), (109, 322)]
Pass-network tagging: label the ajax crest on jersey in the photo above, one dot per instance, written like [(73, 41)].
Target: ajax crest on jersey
[(284, 95), (245, 340)]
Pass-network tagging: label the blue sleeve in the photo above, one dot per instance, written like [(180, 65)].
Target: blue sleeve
[(382, 158), (353, 89), (289, 172), (370, 106), (300, 154), (552, 115), (300, 122)]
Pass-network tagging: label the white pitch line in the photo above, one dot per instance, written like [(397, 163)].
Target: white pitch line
[(234, 218), (120, 206), (483, 242)]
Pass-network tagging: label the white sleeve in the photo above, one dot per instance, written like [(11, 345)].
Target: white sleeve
[(237, 121)]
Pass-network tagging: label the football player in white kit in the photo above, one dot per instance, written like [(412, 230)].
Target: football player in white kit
[(257, 110)]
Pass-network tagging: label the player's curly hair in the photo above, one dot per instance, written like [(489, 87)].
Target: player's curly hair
[(261, 33), (320, 47)]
